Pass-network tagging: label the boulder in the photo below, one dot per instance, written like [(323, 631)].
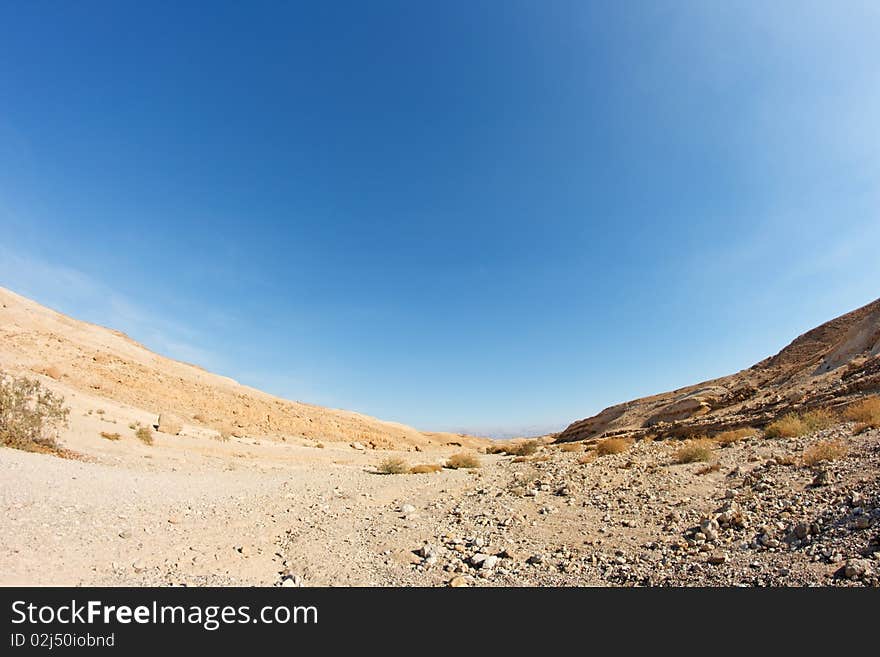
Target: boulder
[(170, 424)]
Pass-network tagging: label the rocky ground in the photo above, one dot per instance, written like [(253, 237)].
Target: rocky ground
[(194, 510)]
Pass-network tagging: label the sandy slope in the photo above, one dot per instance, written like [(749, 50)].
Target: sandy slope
[(109, 364)]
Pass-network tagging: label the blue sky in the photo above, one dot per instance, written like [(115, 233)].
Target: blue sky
[(493, 216)]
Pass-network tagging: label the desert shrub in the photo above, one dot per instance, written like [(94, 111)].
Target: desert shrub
[(30, 415), (571, 447), (425, 468), (826, 450), (145, 435), (793, 425), (732, 436), (462, 460), (393, 465), (819, 419), (525, 448), (788, 426), (110, 436), (866, 413), (694, 451), (612, 446)]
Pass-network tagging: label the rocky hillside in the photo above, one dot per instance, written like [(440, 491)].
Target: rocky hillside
[(108, 364), (824, 367)]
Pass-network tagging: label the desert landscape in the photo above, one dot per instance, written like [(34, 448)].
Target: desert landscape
[(161, 473)]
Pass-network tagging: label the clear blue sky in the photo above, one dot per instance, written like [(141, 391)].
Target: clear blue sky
[(494, 216)]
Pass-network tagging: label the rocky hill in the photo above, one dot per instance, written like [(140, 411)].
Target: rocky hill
[(826, 366)]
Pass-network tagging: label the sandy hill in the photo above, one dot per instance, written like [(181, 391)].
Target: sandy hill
[(108, 364), (823, 367)]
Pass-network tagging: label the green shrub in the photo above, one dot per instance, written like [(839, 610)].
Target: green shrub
[(31, 416)]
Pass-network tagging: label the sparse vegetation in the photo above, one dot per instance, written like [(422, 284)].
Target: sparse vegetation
[(110, 436), (462, 460), (826, 450), (30, 415), (788, 426), (732, 436), (571, 447), (819, 419), (524, 448), (865, 413), (393, 465), (425, 468), (145, 435), (612, 446), (793, 425), (694, 451)]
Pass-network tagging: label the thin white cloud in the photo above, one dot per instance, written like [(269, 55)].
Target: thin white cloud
[(81, 296)]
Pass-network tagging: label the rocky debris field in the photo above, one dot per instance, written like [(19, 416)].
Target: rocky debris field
[(195, 510)]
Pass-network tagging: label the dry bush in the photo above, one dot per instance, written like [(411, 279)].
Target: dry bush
[(425, 468), (826, 450), (571, 447), (496, 449), (145, 435), (793, 425), (110, 436), (30, 415), (866, 413), (788, 426), (732, 436), (694, 451), (526, 448), (787, 459), (819, 419), (612, 446), (462, 460), (393, 465)]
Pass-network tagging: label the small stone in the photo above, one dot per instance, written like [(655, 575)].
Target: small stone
[(407, 508), (459, 581), (428, 551), (717, 559), (291, 580)]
